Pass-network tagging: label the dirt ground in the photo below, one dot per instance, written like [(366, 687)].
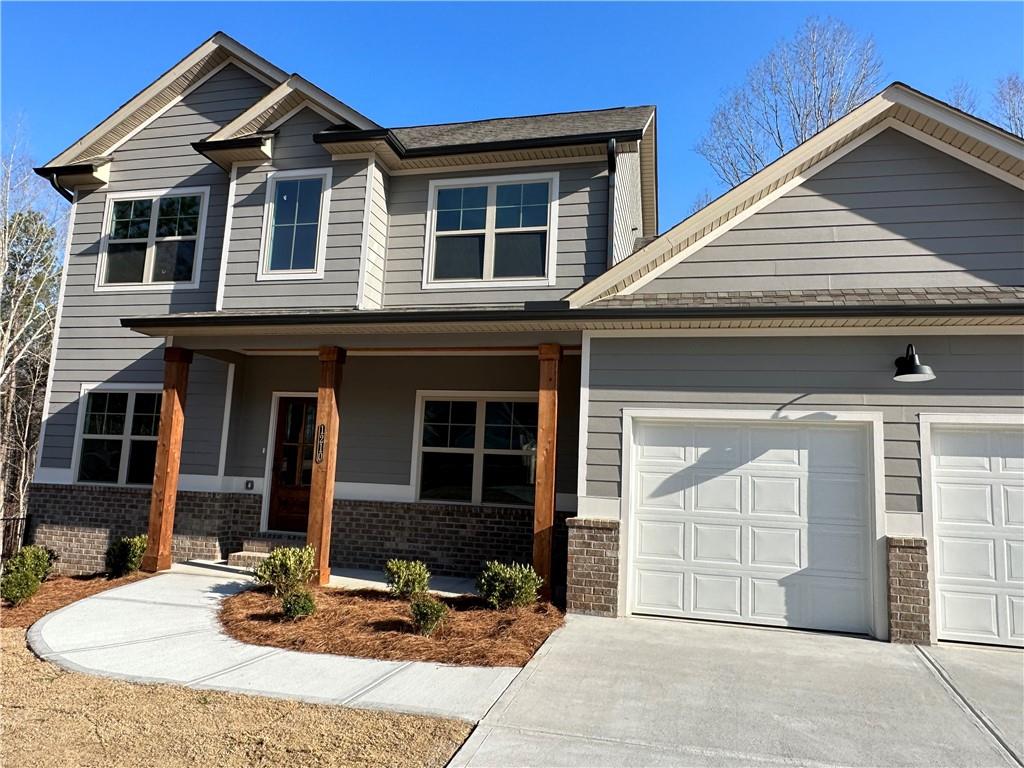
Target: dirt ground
[(51, 718), (371, 624)]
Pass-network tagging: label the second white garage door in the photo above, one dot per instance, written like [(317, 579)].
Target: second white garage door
[(759, 522)]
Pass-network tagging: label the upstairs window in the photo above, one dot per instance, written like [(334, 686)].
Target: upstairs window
[(295, 234), (494, 232), (153, 240), (118, 437)]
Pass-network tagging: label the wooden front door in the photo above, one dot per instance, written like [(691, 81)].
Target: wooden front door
[(293, 464)]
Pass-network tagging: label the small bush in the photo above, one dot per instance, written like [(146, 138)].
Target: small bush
[(124, 556), (427, 613), (287, 569), (34, 559), (18, 586), (299, 603), (406, 578), (505, 586)]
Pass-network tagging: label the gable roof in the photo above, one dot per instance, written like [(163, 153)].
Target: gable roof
[(974, 141), (201, 63)]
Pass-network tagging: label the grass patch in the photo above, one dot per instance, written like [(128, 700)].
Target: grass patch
[(372, 624)]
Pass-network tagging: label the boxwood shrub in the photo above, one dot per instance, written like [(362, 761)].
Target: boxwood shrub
[(124, 556), (428, 613), (505, 585), (406, 578)]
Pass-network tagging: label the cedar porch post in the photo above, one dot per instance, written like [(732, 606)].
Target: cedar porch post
[(168, 460), (325, 460), (544, 498)]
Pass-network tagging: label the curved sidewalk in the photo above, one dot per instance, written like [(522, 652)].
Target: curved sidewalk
[(165, 630)]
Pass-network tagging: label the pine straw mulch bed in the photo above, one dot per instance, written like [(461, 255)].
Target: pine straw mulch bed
[(371, 624), (58, 591)]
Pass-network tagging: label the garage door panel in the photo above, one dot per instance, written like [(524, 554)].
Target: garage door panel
[(717, 493), (963, 503), (978, 504), (764, 539), (662, 442), (775, 496), (716, 543), (717, 594)]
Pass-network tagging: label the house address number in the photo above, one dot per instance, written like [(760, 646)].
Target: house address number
[(318, 450)]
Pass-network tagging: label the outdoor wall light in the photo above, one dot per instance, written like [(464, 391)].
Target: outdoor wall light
[(909, 368)]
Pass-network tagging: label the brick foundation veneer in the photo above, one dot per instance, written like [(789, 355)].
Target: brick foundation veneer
[(909, 609), (80, 521), (592, 575)]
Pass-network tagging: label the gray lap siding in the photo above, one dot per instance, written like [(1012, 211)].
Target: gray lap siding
[(976, 374)]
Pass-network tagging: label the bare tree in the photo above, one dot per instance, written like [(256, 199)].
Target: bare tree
[(32, 228), (1008, 100), (963, 96), (803, 85)]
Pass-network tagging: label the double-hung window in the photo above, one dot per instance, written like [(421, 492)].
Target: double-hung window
[(118, 437), (480, 450), (492, 231), (153, 240), (295, 229)]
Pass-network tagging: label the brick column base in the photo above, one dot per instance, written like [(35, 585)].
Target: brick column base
[(909, 609), (592, 577)]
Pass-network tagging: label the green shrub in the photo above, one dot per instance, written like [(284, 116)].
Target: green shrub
[(298, 603), (124, 556), (504, 586), (406, 578), (287, 569), (427, 613), (34, 559), (18, 586)]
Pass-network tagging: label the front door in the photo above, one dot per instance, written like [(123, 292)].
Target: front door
[(293, 464)]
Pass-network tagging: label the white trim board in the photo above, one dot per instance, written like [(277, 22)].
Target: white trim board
[(364, 241), (926, 421), (874, 422)]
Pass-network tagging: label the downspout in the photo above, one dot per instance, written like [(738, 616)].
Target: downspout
[(611, 202)]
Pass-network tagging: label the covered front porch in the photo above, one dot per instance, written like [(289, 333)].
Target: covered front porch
[(453, 449)]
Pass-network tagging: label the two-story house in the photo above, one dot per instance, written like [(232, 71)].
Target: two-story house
[(282, 322)]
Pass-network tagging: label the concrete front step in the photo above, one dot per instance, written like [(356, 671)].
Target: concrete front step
[(269, 542), (246, 559)]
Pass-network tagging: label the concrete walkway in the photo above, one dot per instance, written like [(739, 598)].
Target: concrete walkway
[(642, 692), (165, 630)]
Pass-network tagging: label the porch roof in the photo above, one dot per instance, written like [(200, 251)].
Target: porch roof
[(926, 307)]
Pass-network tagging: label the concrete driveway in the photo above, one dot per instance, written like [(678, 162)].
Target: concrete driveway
[(637, 692)]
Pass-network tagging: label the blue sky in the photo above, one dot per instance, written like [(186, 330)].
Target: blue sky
[(67, 66)]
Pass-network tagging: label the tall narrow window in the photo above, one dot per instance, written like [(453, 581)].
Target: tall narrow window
[(496, 232), (153, 240), (119, 437), (296, 240)]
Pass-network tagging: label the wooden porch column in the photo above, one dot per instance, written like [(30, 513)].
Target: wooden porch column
[(325, 459), (168, 460), (544, 498)]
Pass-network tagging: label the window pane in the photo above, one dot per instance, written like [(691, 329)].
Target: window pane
[(437, 411), (126, 262), (435, 435), (474, 197), (535, 216), (463, 412), (522, 205), (281, 247), (449, 424), (449, 199), (131, 219), (508, 479), (448, 221), (536, 193), (446, 476), (461, 208), (509, 194), (105, 413), (304, 249), (474, 218), (461, 436), (520, 254), (146, 414), (100, 461), (286, 196), (173, 261), (141, 461), (309, 201), (459, 256), (507, 218)]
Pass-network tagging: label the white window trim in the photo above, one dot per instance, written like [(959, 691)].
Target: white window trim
[(429, 283), (480, 397), (317, 273), (76, 450), (154, 194)]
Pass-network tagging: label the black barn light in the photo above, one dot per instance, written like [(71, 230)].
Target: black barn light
[(909, 368)]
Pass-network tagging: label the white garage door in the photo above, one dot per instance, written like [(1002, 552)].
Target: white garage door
[(760, 522), (978, 502)]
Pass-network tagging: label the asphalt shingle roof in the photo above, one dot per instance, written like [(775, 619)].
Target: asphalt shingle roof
[(561, 124)]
